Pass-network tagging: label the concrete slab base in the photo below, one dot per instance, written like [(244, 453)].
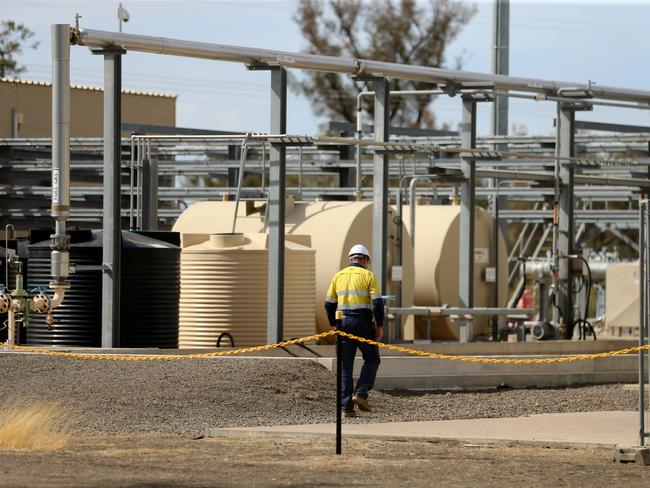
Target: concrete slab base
[(591, 430)]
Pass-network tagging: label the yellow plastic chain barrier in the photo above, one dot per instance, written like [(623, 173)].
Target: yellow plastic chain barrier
[(473, 359), (234, 352), (169, 357)]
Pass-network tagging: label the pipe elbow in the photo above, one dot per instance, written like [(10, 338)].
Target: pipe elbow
[(57, 299)]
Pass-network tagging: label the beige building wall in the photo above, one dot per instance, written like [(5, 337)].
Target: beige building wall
[(33, 102)]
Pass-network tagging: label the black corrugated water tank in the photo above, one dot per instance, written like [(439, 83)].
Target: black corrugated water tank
[(78, 319), (149, 292), (150, 289)]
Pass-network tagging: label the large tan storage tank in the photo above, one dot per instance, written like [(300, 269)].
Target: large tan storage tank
[(622, 300), (224, 288), (334, 227), (436, 256)]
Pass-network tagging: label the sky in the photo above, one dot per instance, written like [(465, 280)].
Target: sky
[(605, 42)]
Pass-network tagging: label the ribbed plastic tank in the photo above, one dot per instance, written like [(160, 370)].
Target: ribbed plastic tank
[(224, 287), (150, 289), (436, 248), (78, 319), (334, 227), (149, 293)]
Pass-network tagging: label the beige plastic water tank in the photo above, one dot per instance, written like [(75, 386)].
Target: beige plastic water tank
[(622, 300), (224, 287), (333, 226), (437, 243)]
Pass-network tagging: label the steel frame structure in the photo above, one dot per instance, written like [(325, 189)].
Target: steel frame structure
[(113, 45)]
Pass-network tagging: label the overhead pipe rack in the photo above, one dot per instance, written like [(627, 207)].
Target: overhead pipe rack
[(350, 66), (112, 45)]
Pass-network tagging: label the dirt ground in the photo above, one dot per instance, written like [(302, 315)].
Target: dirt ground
[(138, 461)]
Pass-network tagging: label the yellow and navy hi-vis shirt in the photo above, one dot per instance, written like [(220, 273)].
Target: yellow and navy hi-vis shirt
[(354, 290)]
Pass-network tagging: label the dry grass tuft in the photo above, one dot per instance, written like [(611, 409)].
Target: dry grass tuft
[(33, 426)]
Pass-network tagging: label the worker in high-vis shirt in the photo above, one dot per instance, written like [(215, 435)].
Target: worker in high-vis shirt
[(354, 292)]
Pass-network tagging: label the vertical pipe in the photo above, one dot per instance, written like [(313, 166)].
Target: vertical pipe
[(263, 168), (358, 195), (467, 210), (60, 151), (642, 319), (112, 218), (131, 183), (276, 206), (149, 191), (500, 65), (566, 221), (339, 382), (380, 185), (300, 170)]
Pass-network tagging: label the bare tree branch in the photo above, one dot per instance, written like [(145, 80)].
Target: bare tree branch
[(401, 31)]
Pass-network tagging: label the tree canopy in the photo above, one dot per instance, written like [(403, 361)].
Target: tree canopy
[(400, 31), (13, 37)]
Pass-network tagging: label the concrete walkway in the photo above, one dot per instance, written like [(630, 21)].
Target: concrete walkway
[(577, 430)]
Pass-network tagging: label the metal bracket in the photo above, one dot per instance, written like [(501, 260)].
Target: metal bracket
[(368, 77), (477, 97), (260, 66), (577, 106), (102, 51)]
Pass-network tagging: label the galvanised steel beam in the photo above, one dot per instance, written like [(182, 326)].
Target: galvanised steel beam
[(112, 234), (380, 185), (566, 220), (276, 213), (467, 202)]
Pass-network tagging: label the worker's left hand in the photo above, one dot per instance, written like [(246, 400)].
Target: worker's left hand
[(379, 334)]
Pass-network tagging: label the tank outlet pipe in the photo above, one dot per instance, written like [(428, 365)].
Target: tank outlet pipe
[(60, 157)]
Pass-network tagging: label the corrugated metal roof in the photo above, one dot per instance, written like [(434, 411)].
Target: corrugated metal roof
[(88, 88)]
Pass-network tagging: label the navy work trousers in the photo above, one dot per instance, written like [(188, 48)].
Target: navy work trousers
[(361, 327)]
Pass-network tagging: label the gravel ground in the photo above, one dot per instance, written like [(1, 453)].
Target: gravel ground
[(189, 396)]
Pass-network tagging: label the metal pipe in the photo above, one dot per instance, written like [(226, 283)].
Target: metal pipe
[(60, 259), (263, 168), (447, 311), (351, 66), (131, 183), (7, 263), (642, 319), (240, 181), (300, 170)]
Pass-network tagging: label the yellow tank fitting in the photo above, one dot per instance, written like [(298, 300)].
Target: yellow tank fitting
[(5, 303), (41, 303)]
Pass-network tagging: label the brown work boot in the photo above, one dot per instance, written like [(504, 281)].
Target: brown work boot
[(349, 414), (362, 403)]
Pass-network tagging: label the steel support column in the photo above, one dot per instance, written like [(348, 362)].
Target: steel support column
[(276, 212), (566, 218), (149, 194), (467, 197), (380, 185), (112, 237)]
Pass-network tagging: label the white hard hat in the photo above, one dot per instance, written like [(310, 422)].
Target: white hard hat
[(359, 249)]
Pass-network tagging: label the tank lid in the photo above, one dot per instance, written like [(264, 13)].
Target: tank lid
[(227, 240)]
